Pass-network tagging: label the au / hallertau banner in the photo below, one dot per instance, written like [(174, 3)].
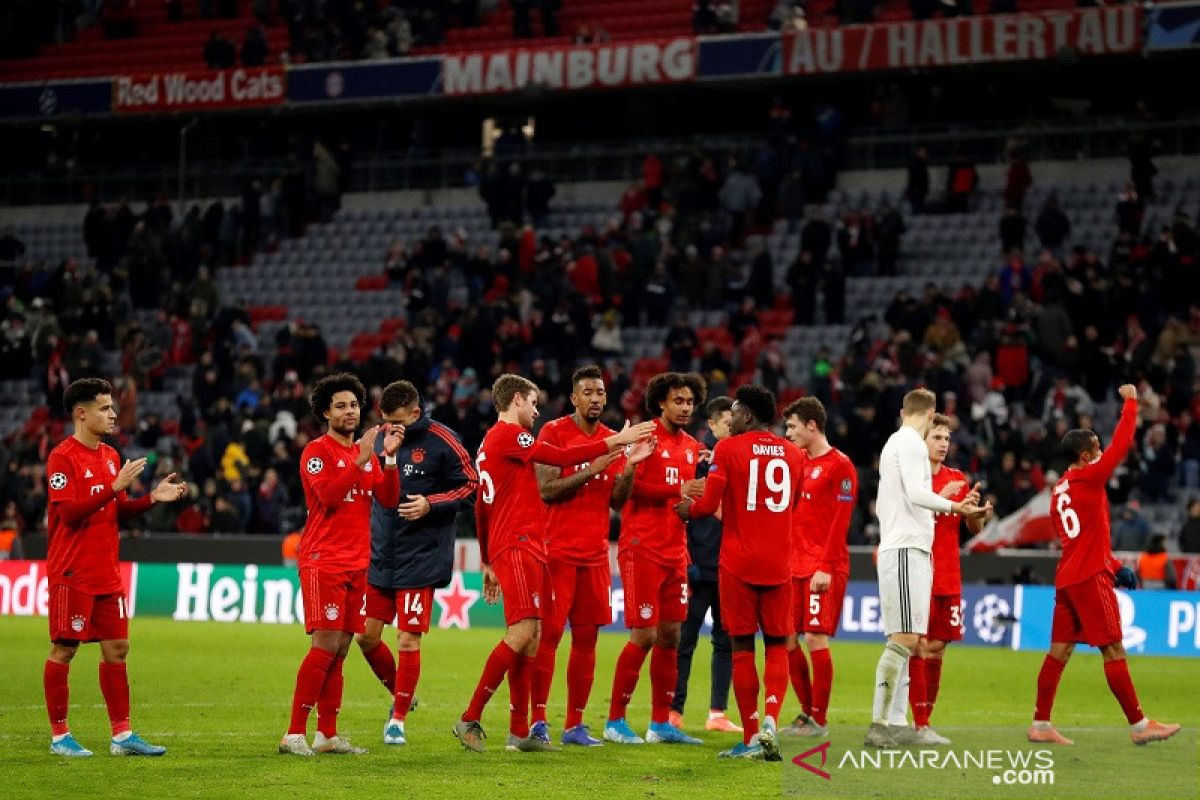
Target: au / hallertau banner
[(1173, 26), (571, 67), (985, 39), (209, 90)]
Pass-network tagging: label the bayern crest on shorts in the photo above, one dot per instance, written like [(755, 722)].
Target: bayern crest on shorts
[(331, 612), (78, 623), (646, 611)]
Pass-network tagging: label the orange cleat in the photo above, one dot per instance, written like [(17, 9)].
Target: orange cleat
[(675, 719), (1047, 735), (717, 721), (1154, 732)]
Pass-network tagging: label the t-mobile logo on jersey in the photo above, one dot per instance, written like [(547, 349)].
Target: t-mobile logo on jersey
[(672, 476)]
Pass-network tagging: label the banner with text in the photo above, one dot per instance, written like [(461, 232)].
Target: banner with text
[(56, 98), (575, 67), (24, 588), (339, 82), (164, 92), (988, 39)]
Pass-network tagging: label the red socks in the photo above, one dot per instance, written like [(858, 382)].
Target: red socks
[(518, 688), (581, 672), (114, 685), (1121, 685), (625, 678), (918, 693), (309, 680), (58, 695), (745, 692), (379, 658), (329, 702), (822, 684), (798, 668), (775, 678), (408, 672), (1047, 686), (664, 674), (498, 663), (933, 680), (543, 672)]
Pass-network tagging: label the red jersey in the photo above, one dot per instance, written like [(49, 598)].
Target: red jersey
[(829, 487), (754, 479), (337, 533), (577, 527), (1079, 508), (509, 512), (947, 569), (649, 525), (83, 515)]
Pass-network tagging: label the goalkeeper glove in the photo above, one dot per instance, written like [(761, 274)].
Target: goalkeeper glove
[(1125, 579)]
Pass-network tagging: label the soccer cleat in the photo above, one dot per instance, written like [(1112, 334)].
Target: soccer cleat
[(928, 737), (618, 731), (665, 733), (879, 736), (67, 746), (335, 745), (541, 730), (903, 734), (134, 745), (675, 718), (471, 734), (293, 744), (752, 751), (799, 725), (580, 735), (717, 721), (394, 732), (1154, 732), (1047, 735), (529, 744), (768, 741)]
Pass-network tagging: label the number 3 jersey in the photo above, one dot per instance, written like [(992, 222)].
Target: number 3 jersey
[(755, 477), (649, 525), (1079, 508)]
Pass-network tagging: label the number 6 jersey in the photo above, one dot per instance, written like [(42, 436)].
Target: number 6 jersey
[(1079, 508)]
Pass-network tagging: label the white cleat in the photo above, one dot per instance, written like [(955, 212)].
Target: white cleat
[(337, 745), (293, 744), (394, 732), (928, 737)]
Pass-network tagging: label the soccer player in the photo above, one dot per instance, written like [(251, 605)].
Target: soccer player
[(652, 557), (577, 502), (511, 528), (754, 478), (86, 595), (905, 505), (1085, 603), (820, 562), (704, 547), (945, 607), (340, 477), (412, 547)]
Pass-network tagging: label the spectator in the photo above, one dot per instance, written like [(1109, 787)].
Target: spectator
[(522, 18), (1130, 210), (254, 47), (1154, 568), (889, 227), (1158, 463), (1017, 180), (1141, 167), (1012, 230), (1189, 534), (917, 188), (606, 341), (961, 180), (1052, 226), (681, 344), (11, 248), (219, 52), (1130, 531), (740, 195)]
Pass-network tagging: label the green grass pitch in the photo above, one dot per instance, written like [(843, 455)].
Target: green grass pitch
[(217, 695)]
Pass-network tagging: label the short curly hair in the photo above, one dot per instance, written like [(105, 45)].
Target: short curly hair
[(661, 385), (758, 400), (397, 395), (323, 391)]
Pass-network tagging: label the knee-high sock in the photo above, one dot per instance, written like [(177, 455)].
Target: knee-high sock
[(889, 671), (899, 712), (918, 695), (518, 692), (114, 685), (408, 672), (625, 678), (745, 692), (58, 695), (798, 669), (933, 680), (329, 702), (775, 678), (581, 672), (1047, 686), (309, 680), (379, 659), (664, 674), (1121, 685), (543, 672), (498, 663), (822, 685)]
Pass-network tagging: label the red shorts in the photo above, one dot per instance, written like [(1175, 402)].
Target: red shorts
[(1087, 612), (746, 609), (77, 616), (334, 601), (581, 594), (818, 612), (408, 609), (525, 585), (945, 618), (654, 592)]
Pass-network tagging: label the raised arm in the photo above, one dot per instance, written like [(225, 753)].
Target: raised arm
[(1122, 438)]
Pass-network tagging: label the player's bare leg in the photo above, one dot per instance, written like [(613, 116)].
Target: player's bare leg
[(889, 672), (57, 689)]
